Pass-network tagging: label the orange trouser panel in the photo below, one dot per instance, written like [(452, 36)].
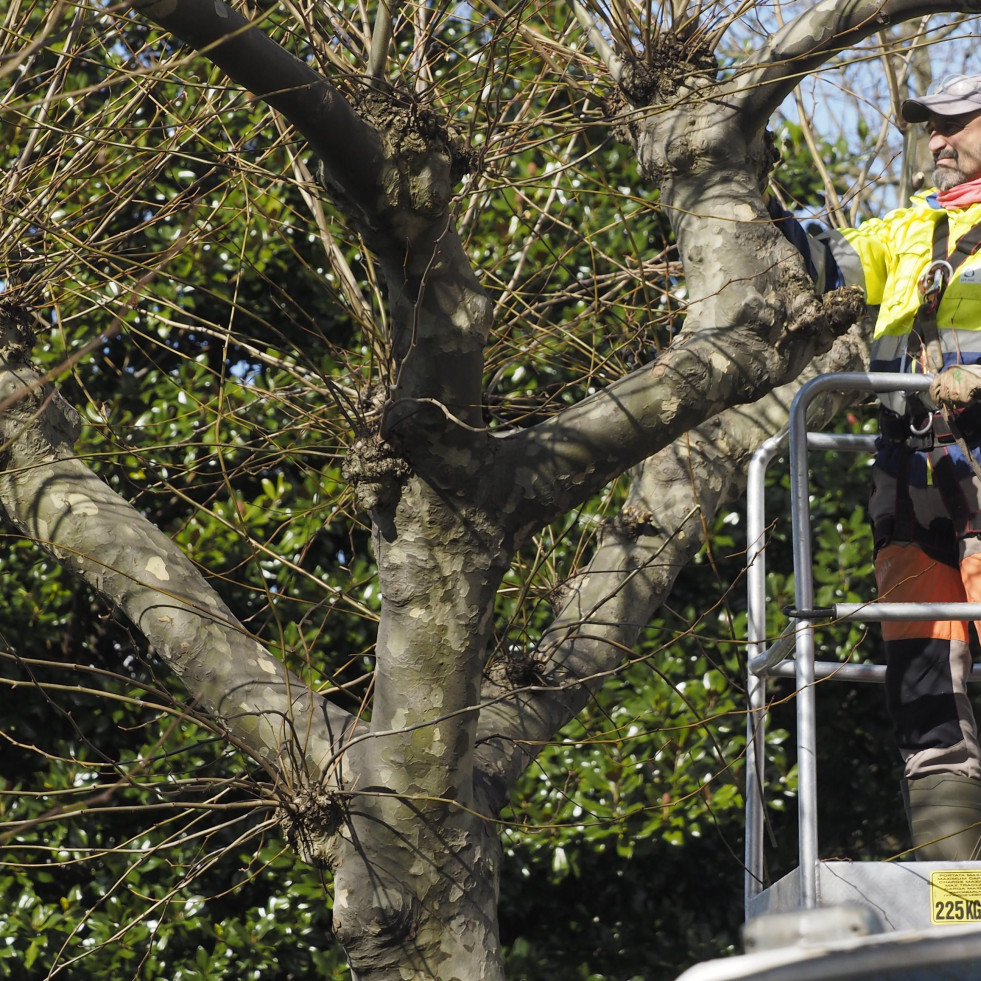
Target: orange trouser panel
[(928, 661), (905, 574)]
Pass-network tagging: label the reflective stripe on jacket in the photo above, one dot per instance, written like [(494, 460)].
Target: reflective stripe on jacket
[(887, 256)]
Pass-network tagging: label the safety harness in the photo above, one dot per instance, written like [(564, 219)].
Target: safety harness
[(925, 337), (924, 343)]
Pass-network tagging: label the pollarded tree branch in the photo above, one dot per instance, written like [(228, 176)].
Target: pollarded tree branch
[(349, 148), (51, 497), (441, 316), (656, 534), (562, 462), (607, 53), (809, 40), (381, 39), (394, 180)]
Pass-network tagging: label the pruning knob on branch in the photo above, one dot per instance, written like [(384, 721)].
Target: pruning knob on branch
[(376, 471), (310, 820)]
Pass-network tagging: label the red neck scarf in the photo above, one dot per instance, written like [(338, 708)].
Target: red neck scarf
[(961, 196)]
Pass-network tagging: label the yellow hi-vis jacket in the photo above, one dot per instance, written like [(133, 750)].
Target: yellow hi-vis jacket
[(887, 256)]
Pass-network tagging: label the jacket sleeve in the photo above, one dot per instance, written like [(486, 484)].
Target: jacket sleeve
[(863, 256)]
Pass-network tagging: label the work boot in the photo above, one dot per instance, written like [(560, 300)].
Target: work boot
[(944, 812)]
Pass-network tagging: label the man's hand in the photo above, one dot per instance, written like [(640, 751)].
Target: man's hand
[(956, 386)]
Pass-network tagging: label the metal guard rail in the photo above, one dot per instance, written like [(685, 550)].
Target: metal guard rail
[(798, 637)]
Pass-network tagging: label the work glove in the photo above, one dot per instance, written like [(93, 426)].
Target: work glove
[(956, 386)]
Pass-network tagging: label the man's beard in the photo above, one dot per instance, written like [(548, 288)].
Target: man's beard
[(945, 178)]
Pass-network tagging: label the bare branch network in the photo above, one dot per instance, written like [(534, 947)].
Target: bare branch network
[(369, 375)]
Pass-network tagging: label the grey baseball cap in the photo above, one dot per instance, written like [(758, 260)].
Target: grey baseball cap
[(953, 96)]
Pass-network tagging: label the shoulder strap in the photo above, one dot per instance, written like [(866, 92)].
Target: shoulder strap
[(966, 246), (926, 317), (923, 341), (941, 234)]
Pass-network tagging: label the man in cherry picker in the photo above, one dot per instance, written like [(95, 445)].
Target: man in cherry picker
[(922, 267)]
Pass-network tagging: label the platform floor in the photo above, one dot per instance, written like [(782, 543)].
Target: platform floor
[(875, 921)]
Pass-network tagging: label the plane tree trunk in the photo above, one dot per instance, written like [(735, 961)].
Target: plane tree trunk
[(400, 805)]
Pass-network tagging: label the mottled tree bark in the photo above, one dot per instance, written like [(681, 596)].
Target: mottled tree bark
[(402, 809)]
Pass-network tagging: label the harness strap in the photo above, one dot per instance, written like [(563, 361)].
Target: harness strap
[(966, 245), (925, 337), (933, 284)]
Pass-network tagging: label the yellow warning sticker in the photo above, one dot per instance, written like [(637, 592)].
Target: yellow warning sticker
[(955, 896)]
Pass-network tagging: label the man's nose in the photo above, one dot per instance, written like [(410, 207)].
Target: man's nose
[(937, 142)]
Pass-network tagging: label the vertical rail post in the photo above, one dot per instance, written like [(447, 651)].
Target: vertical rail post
[(804, 598), (756, 644)]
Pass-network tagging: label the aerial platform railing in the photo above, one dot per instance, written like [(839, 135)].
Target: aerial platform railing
[(792, 653)]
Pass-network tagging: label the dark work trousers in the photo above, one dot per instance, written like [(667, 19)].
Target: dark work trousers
[(924, 510)]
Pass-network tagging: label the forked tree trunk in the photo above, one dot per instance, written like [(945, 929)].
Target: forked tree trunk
[(401, 806)]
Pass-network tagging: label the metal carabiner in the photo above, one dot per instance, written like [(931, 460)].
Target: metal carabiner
[(933, 282), (927, 425)]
